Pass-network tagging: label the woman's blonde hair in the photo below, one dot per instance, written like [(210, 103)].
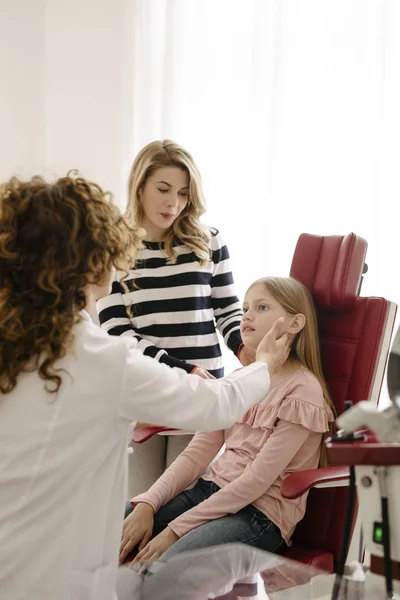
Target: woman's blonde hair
[(55, 240), (295, 298), (187, 227)]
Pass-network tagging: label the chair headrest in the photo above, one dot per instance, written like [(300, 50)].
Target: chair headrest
[(330, 267)]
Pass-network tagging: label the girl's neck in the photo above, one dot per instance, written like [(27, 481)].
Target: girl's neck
[(290, 367)]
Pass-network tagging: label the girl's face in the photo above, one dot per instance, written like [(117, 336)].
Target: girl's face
[(260, 311), (163, 197)]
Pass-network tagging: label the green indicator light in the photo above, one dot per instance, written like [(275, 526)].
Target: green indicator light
[(378, 533)]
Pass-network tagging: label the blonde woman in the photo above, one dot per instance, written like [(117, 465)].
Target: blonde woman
[(181, 290)]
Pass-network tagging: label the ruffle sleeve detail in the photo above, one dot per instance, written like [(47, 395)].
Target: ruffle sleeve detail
[(296, 411)]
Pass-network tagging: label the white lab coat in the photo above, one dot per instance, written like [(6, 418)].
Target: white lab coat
[(63, 458)]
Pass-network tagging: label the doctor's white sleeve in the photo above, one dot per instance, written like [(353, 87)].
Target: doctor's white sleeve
[(154, 393)]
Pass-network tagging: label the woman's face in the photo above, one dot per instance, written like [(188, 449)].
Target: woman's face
[(163, 197)]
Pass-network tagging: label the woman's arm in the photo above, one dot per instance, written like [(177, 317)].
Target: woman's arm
[(114, 319), (225, 303), (279, 450), (153, 393)]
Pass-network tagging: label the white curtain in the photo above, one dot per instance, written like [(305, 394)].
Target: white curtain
[(291, 110)]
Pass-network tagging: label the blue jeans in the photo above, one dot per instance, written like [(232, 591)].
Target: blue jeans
[(248, 526)]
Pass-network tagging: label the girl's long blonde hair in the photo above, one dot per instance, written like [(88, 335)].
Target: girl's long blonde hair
[(295, 298), (187, 227)]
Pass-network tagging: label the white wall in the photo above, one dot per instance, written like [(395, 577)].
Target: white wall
[(22, 86), (66, 89)]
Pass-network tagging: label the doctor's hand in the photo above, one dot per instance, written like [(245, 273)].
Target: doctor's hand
[(274, 348), (137, 529), (156, 547)]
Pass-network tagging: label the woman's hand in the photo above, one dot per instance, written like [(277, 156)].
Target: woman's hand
[(246, 355), (202, 373), (157, 547), (274, 348), (137, 529)]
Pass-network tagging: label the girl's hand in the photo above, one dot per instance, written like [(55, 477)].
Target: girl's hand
[(246, 355), (202, 373), (154, 549), (137, 529), (274, 348)]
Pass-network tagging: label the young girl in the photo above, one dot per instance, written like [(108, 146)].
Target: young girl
[(69, 392), (239, 499), (181, 288)]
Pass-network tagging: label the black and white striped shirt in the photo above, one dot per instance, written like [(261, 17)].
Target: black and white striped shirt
[(177, 308)]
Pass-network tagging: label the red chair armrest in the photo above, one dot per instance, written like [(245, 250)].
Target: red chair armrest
[(145, 433), (298, 483)]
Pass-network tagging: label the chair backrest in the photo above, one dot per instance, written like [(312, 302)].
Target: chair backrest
[(355, 335)]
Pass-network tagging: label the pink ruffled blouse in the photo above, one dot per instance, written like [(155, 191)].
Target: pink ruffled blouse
[(280, 435)]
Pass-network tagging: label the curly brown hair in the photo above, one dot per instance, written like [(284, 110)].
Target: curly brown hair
[(55, 240)]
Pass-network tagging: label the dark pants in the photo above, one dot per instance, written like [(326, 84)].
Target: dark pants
[(248, 526)]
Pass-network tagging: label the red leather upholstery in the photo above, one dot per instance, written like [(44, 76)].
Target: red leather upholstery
[(351, 341), (300, 482), (330, 267), (314, 558), (351, 331), (145, 433)]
